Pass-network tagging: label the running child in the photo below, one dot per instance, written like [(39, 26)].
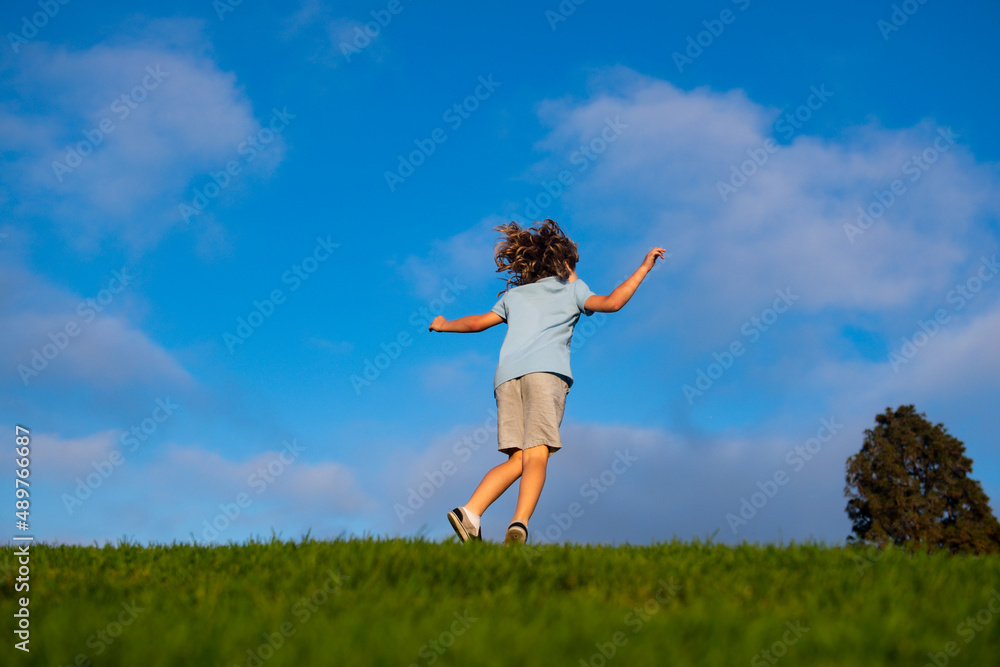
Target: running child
[(541, 305)]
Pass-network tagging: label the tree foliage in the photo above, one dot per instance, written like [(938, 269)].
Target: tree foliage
[(910, 486)]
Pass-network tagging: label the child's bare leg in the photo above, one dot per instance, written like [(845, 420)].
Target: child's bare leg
[(533, 464), (495, 483)]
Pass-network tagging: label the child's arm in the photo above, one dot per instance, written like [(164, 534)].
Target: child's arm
[(467, 324), (619, 297)]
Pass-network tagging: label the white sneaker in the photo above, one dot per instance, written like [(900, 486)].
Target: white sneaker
[(466, 531)]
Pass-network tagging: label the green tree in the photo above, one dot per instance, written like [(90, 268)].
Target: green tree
[(910, 486)]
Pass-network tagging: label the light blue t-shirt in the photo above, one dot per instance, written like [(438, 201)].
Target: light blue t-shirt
[(540, 317)]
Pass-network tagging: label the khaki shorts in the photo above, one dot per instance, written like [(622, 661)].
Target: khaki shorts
[(530, 411)]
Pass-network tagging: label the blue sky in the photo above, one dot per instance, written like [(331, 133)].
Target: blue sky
[(218, 218)]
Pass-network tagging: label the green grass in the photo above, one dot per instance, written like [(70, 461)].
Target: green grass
[(547, 605)]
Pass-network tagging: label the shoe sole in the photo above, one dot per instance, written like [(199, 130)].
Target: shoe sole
[(456, 523), (515, 535)]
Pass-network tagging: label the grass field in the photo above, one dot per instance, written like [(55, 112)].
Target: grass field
[(416, 602)]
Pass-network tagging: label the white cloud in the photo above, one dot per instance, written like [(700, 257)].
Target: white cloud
[(466, 258), (310, 12), (335, 347), (170, 117), (277, 476), (636, 484), (336, 41), (61, 459), (173, 494), (657, 185), (785, 226), (960, 356), (108, 351), (955, 369), (462, 370)]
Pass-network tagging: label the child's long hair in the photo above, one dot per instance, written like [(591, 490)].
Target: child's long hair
[(531, 254)]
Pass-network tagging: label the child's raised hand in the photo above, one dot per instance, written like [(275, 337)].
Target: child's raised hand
[(652, 256), (436, 323)]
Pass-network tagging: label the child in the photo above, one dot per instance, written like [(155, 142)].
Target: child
[(533, 375)]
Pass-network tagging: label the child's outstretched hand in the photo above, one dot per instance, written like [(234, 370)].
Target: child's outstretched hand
[(652, 256), (436, 323)]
